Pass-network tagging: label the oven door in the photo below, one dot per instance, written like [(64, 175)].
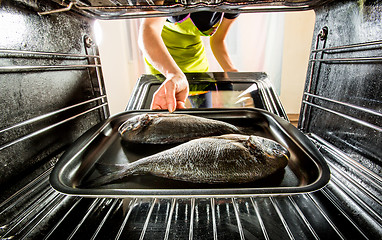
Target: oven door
[(215, 90)]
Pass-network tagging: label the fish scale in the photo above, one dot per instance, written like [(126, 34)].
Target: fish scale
[(158, 128), (222, 159)]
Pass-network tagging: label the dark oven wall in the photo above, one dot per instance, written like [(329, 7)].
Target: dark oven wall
[(51, 88), (341, 106), (343, 101)]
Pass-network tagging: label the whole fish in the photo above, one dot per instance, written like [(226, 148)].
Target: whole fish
[(230, 158), (171, 128)]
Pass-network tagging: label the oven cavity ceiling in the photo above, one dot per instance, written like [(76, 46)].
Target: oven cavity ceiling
[(124, 9)]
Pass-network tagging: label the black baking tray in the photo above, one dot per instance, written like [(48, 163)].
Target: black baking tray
[(306, 171)]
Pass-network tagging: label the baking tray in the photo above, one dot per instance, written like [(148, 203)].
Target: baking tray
[(306, 171)]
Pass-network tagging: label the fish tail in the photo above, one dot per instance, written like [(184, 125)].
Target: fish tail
[(110, 173), (105, 168)]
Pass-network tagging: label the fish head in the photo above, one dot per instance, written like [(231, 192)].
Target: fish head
[(136, 123), (264, 147)]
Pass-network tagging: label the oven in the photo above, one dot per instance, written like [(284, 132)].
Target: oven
[(53, 97)]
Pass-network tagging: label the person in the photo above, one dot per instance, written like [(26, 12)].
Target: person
[(172, 46)]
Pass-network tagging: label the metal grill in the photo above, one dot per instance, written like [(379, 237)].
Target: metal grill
[(324, 214)]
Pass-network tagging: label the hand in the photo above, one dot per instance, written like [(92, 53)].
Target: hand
[(172, 93)]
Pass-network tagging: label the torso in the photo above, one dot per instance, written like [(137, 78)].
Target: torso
[(204, 21)]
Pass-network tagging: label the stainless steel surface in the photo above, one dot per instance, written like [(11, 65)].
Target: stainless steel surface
[(306, 170)]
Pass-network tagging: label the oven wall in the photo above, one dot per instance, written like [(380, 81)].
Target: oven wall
[(342, 99), (51, 90)]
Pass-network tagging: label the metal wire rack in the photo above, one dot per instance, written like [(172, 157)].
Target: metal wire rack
[(32, 130), (69, 62), (309, 96), (317, 215), (13, 68)]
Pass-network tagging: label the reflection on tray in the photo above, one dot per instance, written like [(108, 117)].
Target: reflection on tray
[(221, 95), (219, 99)]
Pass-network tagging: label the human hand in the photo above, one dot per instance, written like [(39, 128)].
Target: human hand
[(172, 93)]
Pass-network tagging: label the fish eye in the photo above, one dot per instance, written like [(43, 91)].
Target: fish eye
[(277, 152)]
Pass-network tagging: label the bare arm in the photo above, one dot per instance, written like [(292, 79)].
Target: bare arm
[(219, 47), (173, 92)]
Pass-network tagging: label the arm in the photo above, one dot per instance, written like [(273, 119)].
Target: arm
[(219, 48), (173, 91)]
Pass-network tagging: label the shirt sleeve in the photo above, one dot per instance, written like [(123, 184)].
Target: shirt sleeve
[(231, 15)]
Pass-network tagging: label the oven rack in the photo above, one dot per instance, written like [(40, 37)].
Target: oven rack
[(310, 97), (92, 61), (125, 9), (344, 209), (47, 115), (53, 61), (30, 127)]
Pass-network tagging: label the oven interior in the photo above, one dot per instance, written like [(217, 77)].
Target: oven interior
[(52, 92)]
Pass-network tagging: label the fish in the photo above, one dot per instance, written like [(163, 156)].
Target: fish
[(171, 128), (230, 158)]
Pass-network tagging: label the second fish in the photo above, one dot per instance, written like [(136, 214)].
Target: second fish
[(171, 128)]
